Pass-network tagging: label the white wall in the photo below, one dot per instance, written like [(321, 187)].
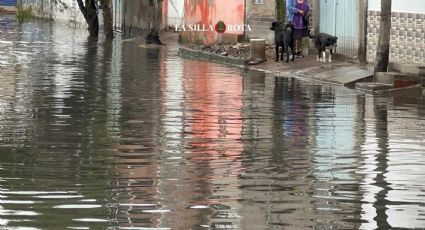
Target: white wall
[(175, 12), (65, 11), (410, 6)]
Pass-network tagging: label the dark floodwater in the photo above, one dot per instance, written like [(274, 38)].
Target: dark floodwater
[(115, 136)]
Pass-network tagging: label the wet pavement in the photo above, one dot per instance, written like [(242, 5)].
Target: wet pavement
[(98, 135)]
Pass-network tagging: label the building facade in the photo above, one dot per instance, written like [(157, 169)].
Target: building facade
[(259, 16)]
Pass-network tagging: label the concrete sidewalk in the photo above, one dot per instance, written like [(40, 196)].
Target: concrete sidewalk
[(339, 72)]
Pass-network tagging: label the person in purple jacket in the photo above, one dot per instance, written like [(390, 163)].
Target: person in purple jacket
[(302, 7)]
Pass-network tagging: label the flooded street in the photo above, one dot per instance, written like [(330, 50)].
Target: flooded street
[(98, 135)]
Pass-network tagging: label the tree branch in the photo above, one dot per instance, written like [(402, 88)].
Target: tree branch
[(82, 8)]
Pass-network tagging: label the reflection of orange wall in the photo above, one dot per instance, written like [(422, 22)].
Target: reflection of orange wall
[(140, 183), (164, 13), (214, 106), (209, 12)]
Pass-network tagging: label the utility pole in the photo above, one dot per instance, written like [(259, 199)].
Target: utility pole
[(383, 49), (362, 31)]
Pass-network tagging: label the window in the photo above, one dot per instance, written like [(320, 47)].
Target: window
[(258, 1)]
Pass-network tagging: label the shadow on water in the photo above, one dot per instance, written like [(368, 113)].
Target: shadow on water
[(111, 135)]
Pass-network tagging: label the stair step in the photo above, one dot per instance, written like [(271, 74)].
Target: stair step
[(373, 86), (397, 80)]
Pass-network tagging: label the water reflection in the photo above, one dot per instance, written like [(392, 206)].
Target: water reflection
[(97, 135)]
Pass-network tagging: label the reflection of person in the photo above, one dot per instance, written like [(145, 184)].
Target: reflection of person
[(302, 7)]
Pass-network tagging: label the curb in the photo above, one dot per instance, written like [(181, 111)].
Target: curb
[(241, 63), (231, 61), (199, 54)]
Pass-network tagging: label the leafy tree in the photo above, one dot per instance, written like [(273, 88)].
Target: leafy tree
[(281, 10)]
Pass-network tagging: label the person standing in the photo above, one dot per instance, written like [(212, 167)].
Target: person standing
[(291, 10), (302, 8)]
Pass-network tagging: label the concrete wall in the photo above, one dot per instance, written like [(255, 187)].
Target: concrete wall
[(175, 12), (260, 17), (64, 10), (208, 13)]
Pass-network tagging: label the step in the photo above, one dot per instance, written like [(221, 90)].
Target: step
[(414, 91), (373, 86), (396, 79)]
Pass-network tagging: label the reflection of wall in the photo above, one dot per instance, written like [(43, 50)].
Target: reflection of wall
[(213, 107), (137, 167), (336, 155), (179, 179), (257, 131)]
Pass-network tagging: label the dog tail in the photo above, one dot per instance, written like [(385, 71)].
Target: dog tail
[(310, 35)]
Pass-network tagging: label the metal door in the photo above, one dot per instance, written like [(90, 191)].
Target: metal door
[(338, 18)]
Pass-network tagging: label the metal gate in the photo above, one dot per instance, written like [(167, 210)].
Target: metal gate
[(338, 18), (117, 15)]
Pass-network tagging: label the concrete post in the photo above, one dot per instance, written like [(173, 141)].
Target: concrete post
[(258, 50)]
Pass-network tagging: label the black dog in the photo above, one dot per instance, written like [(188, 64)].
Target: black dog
[(324, 42), (284, 37)]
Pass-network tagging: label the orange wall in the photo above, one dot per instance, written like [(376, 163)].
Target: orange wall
[(209, 12)]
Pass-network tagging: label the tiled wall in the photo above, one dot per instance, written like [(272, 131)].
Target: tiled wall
[(407, 37)]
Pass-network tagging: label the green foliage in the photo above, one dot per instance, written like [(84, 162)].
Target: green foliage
[(281, 10), (24, 13)]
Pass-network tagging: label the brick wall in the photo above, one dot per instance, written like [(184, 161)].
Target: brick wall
[(260, 17), (407, 37)]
